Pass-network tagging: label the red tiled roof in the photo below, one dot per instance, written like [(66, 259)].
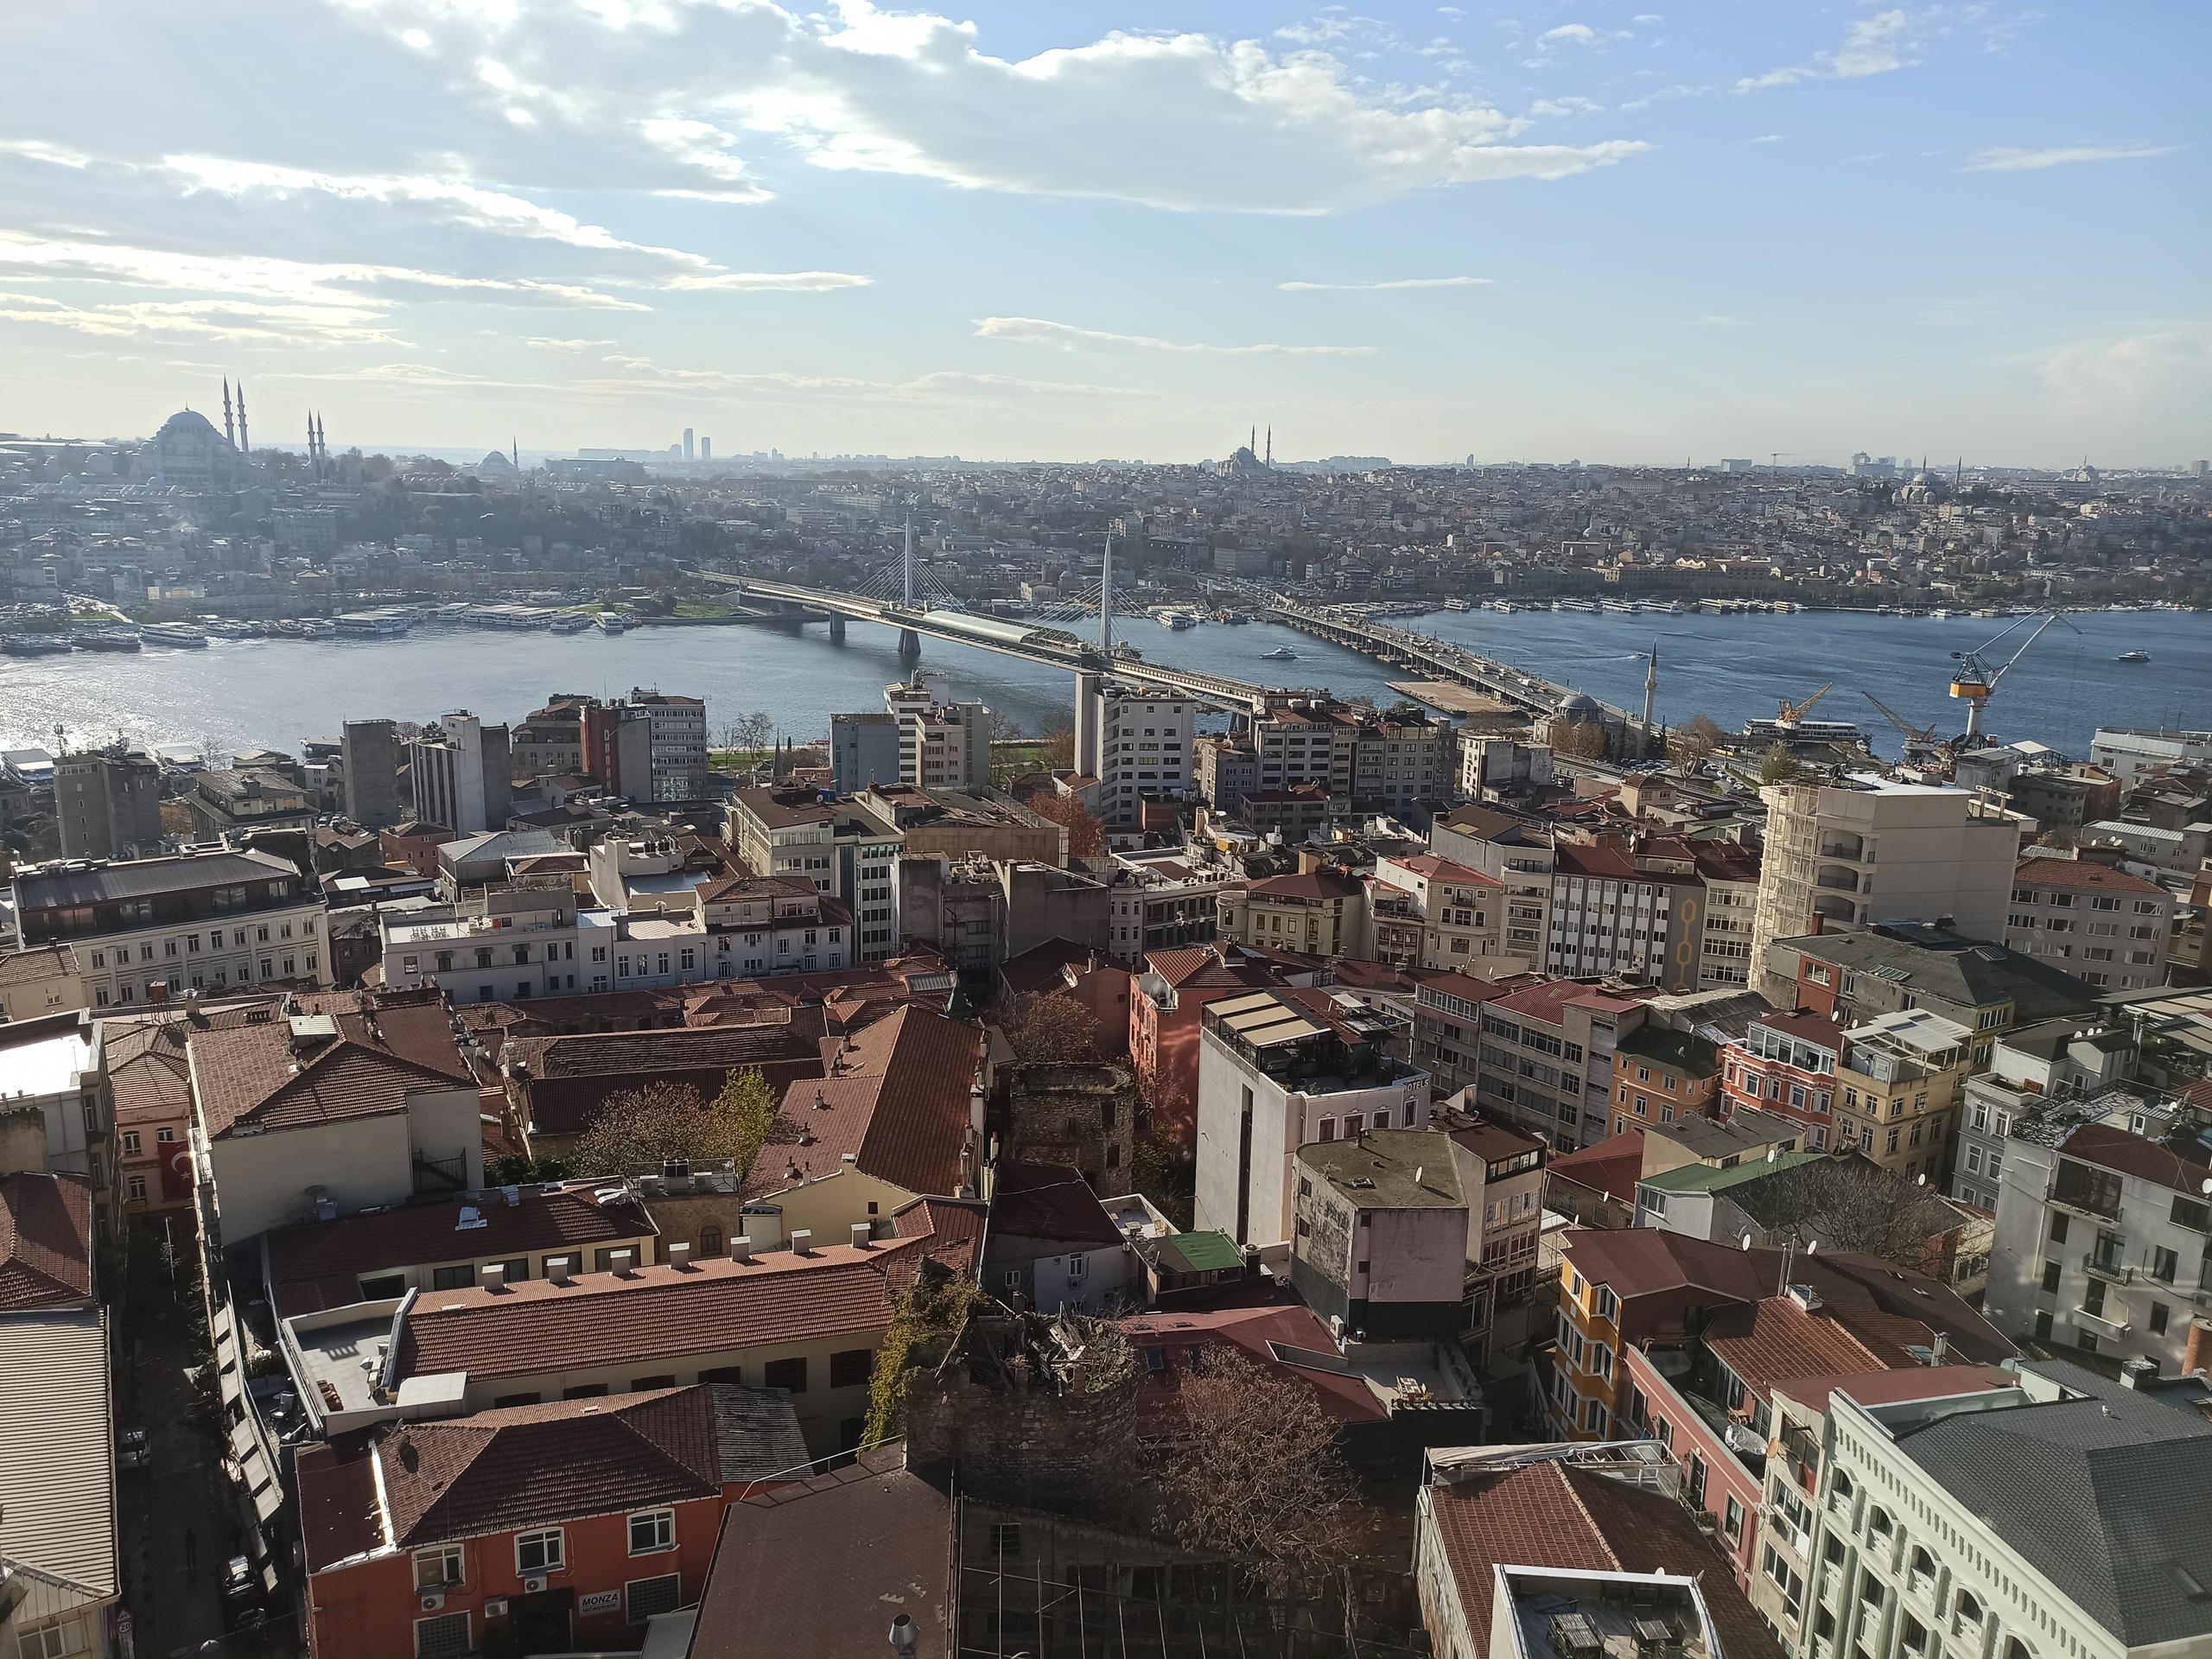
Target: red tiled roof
[(953, 1226), (45, 1240), (2113, 1148), (655, 1314), (1776, 1339), (1612, 1167), (387, 1048), (1317, 884), (1907, 1382), (532, 1464), (38, 962), (340, 1521), (1546, 1514), (2077, 874), (1252, 1330), (1049, 1201), (1443, 870), (897, 1097), (570, 1077), (319, 1264), (1544, 1001)]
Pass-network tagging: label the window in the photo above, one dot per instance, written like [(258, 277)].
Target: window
[(651, 1530), (645, 1598), (2165, 1264), (440, 1637), (130, 1142), (383, 1286), (538, 1552), (459, 1277), (1732, 1519), (2058, 1230), (1786, 1576), (436, 1568), (1606, 1305), (2159, 1317), (2192, 1213), (1005, 1540), (135, 1189), (2050, 1276), (789, 1375), (851, 1368)]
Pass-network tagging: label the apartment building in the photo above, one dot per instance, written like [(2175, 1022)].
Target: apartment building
[(224, 804), (1426, 911), (1379, 1241), (501, 944), (2104, 1229), (1620, 906), (57, 1114), (1786, 1063), (676, 739), (1546, 1056), (461, 776), (2061, 1514), (1502, 1173), (1897, 1086), (1320, 912), (1660, 1076), (1279, 1070), (1298, 741), (863, 751), (369, 754), (1513, 851), (1140, 742), (1166, 996), (1448, 1024), (39, 981), (943, 744), (151, 930), (1852, 856), (107, 803), (2028, 1068), (1401, 757), (1161, 901), (2088, 917), (2129, 752), (839, 844)]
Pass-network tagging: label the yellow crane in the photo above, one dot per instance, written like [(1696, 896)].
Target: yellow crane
[(1792, 713), (1972, 682)]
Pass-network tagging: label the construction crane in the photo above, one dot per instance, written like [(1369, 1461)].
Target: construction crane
[(1973, 684), (1792, 713), (1918, 739)]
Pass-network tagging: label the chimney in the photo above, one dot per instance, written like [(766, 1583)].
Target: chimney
[(2135, 1373), (622, 1262), (2198, 1354), (1939, 1351), (679, 1257), (493, 1276), (803, 1243), (558, 1269), (741, 1248), (863, 1234)]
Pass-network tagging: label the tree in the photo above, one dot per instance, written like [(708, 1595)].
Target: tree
[(1689, 744), (1004, 729), (1846, 1204), (1059, 749), (1583, 740), (635, 1132), (754, 732), (1086, 836), (1778, 765), (1052, 1026), (1255, 1472)]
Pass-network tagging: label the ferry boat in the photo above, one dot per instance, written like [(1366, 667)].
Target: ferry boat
[(2132, 656), (32, 644), (571, 622), (1941, 615), (173, 633), (613, 622), (1456, 605), (1280, 654), (314, 627), (370, 624), (109, 640)]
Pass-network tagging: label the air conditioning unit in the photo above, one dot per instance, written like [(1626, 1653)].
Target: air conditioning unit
[(496, 1607), (533, 1584), (434, 1601)]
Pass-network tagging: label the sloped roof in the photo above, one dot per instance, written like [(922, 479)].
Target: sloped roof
[(386, 1048), (1552, 1514), (45, 1240), (2109, 1147), (57, 1458), (897, 1097), (1611, 1166), (1934, 962), (571, 1077), (1049, 1201), (658, 1312), (2102, 1492)]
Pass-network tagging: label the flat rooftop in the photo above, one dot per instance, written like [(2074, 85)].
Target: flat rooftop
[(347, 1354), (1567, 1615)]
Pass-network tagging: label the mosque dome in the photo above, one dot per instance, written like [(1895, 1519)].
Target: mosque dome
[(1577, 703), (187, 423)]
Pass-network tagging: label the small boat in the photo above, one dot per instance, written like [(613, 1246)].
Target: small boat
[(612, 622), (2132, 656), (1280, 654), (173, 633), (314, 627), (32, 645), (109, 640), (571, 622)]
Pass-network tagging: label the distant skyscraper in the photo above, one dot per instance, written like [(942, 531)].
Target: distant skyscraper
[(687, 444), (369, 749), (706, 448)]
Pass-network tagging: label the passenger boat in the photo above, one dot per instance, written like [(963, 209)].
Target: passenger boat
[(173, 633), (109, 640), (2132, 656), (1280, 654)]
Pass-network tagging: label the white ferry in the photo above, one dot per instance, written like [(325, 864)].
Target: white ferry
[(613, 622), (315, 627), (1456, 605), (370, 624), (173, 633), (1280, 654), (571, 622)]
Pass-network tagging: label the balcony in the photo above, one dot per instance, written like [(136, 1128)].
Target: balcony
[(2098, 1325), (1836, 879), (2108, 1266), (1843, 846)]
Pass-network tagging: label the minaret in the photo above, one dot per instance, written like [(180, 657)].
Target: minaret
[(315, 461), (245, 444), (1651, 684), (514, 452), (1252, 442), (1271, 443), (230, 434)]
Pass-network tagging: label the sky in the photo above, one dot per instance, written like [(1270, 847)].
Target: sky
[(1065, 230)]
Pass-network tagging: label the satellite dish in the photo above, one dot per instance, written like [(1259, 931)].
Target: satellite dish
[(1745, 1242), (1811, 1245), (2205, 1187)]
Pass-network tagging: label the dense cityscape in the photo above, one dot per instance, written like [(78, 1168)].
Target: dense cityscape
[(1105, 831), (1321, 1172)]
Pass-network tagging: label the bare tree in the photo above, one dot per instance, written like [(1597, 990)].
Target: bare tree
[(1581, 739), (1052, 1026), (1690, 743), (1059, 748), (754, 732), (633, 1133), (1256, 1472), (1086, 836), (1778, 765), (1004, 729), (1846, 1204)]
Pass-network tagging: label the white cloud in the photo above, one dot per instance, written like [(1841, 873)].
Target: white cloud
[(1647, 17), (1401, 282), (545, 343), (749, 282), (1875, 45), (2134, 371), (1298, 131), (1765, 138), (1067, 337), (1544, 108), (31, 150), (2030, 160), (1571, 34)]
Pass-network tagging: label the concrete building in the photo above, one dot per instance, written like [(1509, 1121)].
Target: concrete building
[(676, 736), (227, 805), (154, 929), (1513, 851), (369, 753), (39, 981), (1546, 1060), (57, 1114), (943, 744), (1379, 1241), (460, 778), (1855, 857), (1279, 1070), (841, 846), (1897, 1086), (2104, 1229), (2059, 1515), (1321, 913), (107, 803), (61, 1562), (1138, 741), (2031, 1068), (501, 944), (863, 751), (1162, 901), (1426, 911), (2129, 752)]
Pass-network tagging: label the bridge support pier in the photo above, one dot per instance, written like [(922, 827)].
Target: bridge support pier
[(910, 643), (837, 630)]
